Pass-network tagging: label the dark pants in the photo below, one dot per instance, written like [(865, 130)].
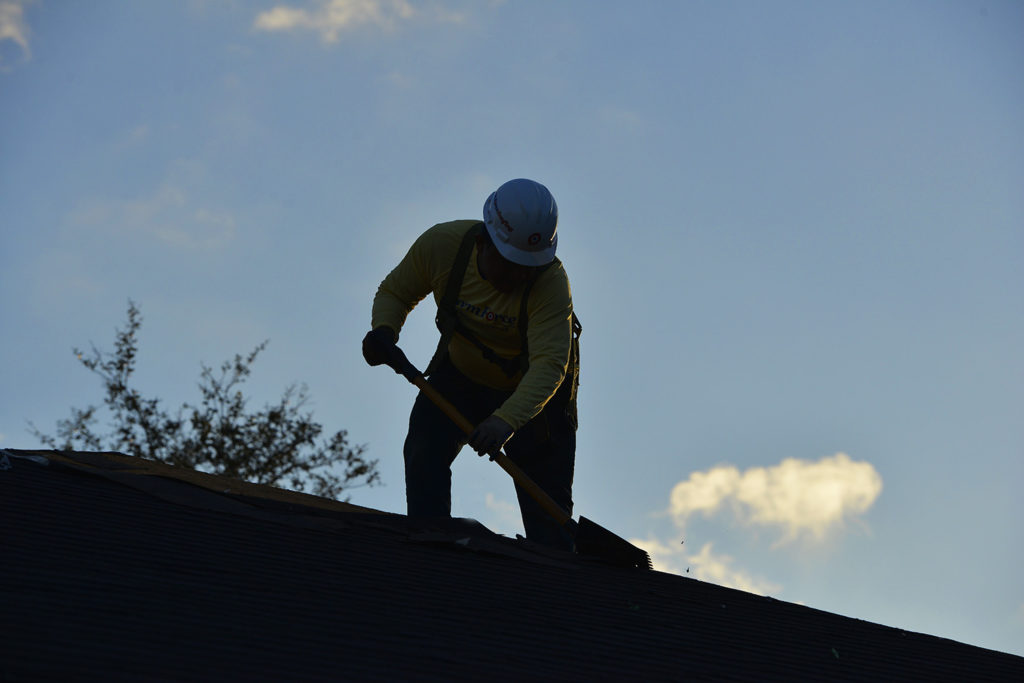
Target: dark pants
[(544, 448)]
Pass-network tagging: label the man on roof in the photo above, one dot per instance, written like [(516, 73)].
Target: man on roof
[(508, 357)]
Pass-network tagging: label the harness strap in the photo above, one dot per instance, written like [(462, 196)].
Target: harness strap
[(448, 322), (573, 371)]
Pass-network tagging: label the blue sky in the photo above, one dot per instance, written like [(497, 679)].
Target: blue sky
[(793, 229)]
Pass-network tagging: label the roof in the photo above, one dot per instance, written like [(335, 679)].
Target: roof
[(117, 567)]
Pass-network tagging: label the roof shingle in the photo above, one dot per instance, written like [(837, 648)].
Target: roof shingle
[(115, 567)]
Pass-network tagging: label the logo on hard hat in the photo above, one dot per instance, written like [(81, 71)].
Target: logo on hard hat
[(501, 218)]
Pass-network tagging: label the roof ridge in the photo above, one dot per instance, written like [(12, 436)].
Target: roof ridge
[(113, 461), (204, 491)]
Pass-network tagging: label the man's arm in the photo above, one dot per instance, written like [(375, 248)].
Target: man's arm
[(549, 336), (422, 270)]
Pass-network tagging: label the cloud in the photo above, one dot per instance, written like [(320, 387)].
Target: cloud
[(329, 18), (804, 499), (133, 138), (718, 569), (506, 518), (138, 134), (705, 566), (13, 26), (168, 215), (619, 119)]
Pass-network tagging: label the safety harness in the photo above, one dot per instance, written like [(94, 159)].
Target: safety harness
[(448, 323)]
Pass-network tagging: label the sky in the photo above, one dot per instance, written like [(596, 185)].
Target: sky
[(793, 229)]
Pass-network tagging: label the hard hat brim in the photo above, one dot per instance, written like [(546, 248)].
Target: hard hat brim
[(521, 256)]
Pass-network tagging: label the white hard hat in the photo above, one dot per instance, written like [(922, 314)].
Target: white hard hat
[(522, 218)]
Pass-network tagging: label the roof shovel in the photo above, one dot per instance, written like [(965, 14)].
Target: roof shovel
[(591, 539)]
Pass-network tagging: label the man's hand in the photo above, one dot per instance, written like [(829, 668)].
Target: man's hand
[(490, 435), (377, 345)]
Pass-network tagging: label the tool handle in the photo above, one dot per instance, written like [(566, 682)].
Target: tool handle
[(520, 477), (401, 364)]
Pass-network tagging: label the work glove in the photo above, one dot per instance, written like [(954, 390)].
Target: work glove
[(379, 345), (490, 436)]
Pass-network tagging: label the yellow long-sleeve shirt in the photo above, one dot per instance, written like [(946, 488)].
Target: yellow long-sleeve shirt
[(491, 316)]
